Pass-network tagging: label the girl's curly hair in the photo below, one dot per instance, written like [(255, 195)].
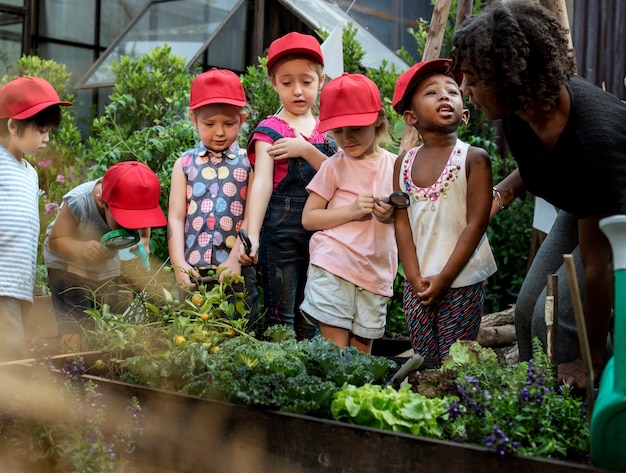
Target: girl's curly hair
[(520, 49)]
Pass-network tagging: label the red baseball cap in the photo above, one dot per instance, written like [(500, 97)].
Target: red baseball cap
[(408, 79), (132, 191), (349, 100), (27, 96), (294, 43), (217, 86)]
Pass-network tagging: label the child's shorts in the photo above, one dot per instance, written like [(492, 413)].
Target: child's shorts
[(334, 301)]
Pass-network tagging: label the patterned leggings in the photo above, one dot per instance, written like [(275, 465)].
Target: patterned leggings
[(434, 329)]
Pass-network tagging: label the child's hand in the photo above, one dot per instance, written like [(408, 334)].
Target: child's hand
[(94, 251), (183, 274), (229, 267), (246, 259), (285, 148), (383, 210), (362, 206), (436, 288), (417, 285)]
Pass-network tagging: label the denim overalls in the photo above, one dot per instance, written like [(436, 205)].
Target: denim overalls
[(284, 252)]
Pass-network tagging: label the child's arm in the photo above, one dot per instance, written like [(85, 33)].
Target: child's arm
[(177, 210), (144, 235), (316, 215), (62, 241), (232, 264), (259, 194), (479, 200), (285, 148), (404, 237)]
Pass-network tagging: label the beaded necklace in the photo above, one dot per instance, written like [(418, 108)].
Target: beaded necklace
[(439, 187)]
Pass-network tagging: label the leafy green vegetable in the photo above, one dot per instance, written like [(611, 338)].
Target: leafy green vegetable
[(291, 375), (469, 351), (390, 409)]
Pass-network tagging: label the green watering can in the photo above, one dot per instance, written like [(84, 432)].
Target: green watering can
[(608, 420)]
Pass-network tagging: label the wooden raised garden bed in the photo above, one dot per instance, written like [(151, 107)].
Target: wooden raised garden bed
[(190, 434)]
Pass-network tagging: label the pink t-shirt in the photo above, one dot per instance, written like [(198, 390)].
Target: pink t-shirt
[(364, 251), (283, 128)]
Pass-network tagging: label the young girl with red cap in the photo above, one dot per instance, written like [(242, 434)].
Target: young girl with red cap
[(441, 236), (29, 109), (210, 184), (286, 150), (81, 271), (353, 262)]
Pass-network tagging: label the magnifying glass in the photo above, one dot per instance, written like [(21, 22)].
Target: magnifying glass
[(399, 199), (119, 239)]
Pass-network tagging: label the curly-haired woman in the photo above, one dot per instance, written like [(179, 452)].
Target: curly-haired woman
[(568, 138)]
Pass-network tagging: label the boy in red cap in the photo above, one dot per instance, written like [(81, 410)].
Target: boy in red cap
[(441, 236), (29, 110), (84, 274), (209, 188), (352, 269), (286, 150)]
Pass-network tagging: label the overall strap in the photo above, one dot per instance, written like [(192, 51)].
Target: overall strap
[(266, 130)]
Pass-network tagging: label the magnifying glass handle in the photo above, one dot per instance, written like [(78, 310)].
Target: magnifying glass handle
[(143, 256), (245, 240)]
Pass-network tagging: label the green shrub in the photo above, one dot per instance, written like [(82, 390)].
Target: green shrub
[(146, 120)]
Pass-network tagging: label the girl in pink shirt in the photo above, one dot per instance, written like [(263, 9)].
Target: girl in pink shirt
[(353, 260)]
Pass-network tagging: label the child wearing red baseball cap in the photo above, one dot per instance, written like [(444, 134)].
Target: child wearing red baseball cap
[(82, 273), (29, 110), (209, 189), (351, 272), (286, 149), (441, 236)]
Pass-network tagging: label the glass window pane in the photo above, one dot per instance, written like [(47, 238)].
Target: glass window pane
[(327, 15), (13, 3), (184, 25), (227, 50), (115, 16), (11, 31), (389, 21), (77, 60), (69, 20)]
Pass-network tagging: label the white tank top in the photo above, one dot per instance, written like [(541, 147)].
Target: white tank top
[(438, 216)]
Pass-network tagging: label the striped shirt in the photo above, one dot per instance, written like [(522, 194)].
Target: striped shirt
[(19, 226)]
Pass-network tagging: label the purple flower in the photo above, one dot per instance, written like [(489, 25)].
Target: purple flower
[(52, 208), (60, 178), (44, 163), (70, 175), (498, 443), (74, 369), (454, 411)]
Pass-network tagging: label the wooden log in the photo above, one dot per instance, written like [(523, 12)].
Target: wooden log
[(497, 336), (503, 317)]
